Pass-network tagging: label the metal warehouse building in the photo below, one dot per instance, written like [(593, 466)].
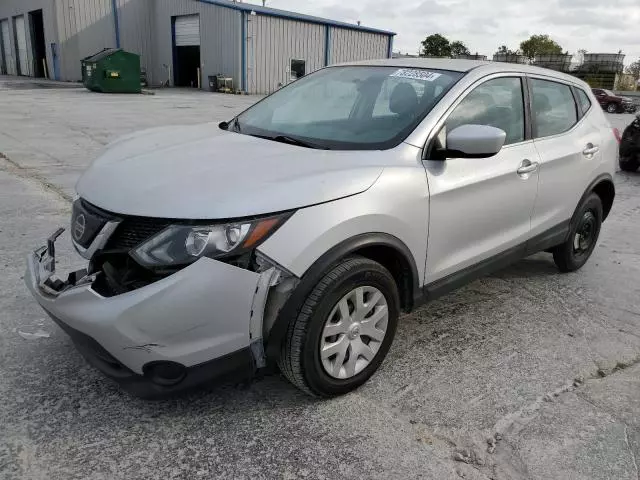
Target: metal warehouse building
[(259, 48)]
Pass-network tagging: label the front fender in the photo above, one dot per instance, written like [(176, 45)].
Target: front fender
[(394, 213)]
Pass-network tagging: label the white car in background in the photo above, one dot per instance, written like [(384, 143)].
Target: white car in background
[(299, 231)]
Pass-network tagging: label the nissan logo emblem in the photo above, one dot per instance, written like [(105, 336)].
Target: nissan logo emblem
[(79, 227)]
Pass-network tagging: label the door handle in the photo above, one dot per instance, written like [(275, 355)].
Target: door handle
[(590, 150), (527, 167)]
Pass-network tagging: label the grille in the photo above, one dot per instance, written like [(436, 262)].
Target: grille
[(135, 230)]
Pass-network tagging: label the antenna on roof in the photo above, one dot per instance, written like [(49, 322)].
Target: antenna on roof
[(358, 22), (264, 2)]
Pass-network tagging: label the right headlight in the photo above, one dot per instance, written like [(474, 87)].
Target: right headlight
[(183, 244)]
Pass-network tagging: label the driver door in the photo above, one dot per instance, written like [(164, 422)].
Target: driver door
[(480, 208)]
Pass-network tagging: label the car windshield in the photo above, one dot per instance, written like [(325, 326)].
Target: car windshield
[(609, 93), (348, 108)]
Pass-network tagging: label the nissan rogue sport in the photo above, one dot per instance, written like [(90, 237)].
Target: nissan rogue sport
[(298, 232)]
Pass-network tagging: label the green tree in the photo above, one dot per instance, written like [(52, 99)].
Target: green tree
[(458, 48), (435, 45), (503, 49), (634, 70), (540, 45)]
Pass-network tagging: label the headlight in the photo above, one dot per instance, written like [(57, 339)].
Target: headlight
[(184, 244)]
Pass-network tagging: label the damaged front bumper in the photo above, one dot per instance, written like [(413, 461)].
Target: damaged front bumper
[(199, 323)]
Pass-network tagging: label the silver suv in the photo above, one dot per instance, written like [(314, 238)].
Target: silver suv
[(298, 232)]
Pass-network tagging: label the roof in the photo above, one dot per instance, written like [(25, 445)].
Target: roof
[(460, 65), (455, 65), (274, 12)]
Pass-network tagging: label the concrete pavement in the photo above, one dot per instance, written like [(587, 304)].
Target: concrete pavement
[(527, 374)]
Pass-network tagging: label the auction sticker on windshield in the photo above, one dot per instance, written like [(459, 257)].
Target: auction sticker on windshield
[(416, 74)]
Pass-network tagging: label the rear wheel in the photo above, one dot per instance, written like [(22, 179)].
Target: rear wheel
[(344, 329), (612, 108), (583, 236), (628, 164)]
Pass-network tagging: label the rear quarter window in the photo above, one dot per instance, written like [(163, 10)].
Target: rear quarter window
[(583, 101)]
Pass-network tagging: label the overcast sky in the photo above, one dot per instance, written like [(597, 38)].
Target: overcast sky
[(483, 25)]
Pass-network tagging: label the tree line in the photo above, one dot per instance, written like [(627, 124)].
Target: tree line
[(438, 45)]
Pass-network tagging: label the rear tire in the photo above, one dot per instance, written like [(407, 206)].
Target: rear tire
[(612, 108), (583, 236), (628, 164), (303, 358)]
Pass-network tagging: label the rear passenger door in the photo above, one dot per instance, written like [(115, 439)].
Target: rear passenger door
[(568, 144)]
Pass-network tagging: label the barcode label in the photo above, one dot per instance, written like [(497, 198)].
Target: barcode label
[(416, 74)]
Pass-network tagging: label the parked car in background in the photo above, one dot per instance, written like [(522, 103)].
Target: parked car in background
[(298, 232), (613, 103), (630, 146)]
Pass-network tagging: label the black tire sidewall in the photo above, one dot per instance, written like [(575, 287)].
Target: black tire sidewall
[(366, 274), (573, 261), (628, 164)]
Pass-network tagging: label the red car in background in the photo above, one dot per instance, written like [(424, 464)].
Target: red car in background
[(613, 103)]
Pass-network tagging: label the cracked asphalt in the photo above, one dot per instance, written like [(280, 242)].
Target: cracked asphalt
[(526, 374)]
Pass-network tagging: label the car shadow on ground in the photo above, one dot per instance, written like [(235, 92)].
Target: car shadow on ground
[(538, 265), (268, 383), (77, 382)]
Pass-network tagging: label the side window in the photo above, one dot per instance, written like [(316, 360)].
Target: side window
[(554, 109), (583, 100), (498, 103)]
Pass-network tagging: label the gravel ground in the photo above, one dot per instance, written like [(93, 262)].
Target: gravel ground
[(527, 374)]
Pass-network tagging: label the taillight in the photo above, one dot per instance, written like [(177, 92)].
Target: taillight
[(616, 133)]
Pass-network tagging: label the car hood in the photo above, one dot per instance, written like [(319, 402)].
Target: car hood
[(202, 172)]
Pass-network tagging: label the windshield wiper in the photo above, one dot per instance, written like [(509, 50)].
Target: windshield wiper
[(292, 141)]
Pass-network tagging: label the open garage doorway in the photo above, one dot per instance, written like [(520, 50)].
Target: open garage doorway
[(38, 45), (186, 51)]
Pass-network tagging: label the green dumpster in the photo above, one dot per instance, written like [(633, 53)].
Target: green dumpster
[(112, 71)]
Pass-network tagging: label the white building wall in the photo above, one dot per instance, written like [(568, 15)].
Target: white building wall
[(84, 28), (353, 45), (136, 22), (12, 8), (219, 42), (271, 45)]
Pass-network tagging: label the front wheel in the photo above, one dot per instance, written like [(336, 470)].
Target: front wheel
[(583, 236), (344, 329)]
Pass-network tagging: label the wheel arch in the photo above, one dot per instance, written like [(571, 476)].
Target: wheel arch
[(603, 187), (383, 248)]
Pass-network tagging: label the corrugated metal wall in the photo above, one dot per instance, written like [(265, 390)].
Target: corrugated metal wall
[(84, 27), (271, 45), (219, 42), (13, 8), (353, 45), (136, 21)]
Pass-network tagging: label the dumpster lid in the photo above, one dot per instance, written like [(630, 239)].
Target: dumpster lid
[(101, 54)]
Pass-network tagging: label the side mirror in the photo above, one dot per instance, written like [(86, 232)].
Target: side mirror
[(475, 141)]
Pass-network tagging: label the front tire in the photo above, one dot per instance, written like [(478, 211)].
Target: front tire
[(343, 330), (583, 236)]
